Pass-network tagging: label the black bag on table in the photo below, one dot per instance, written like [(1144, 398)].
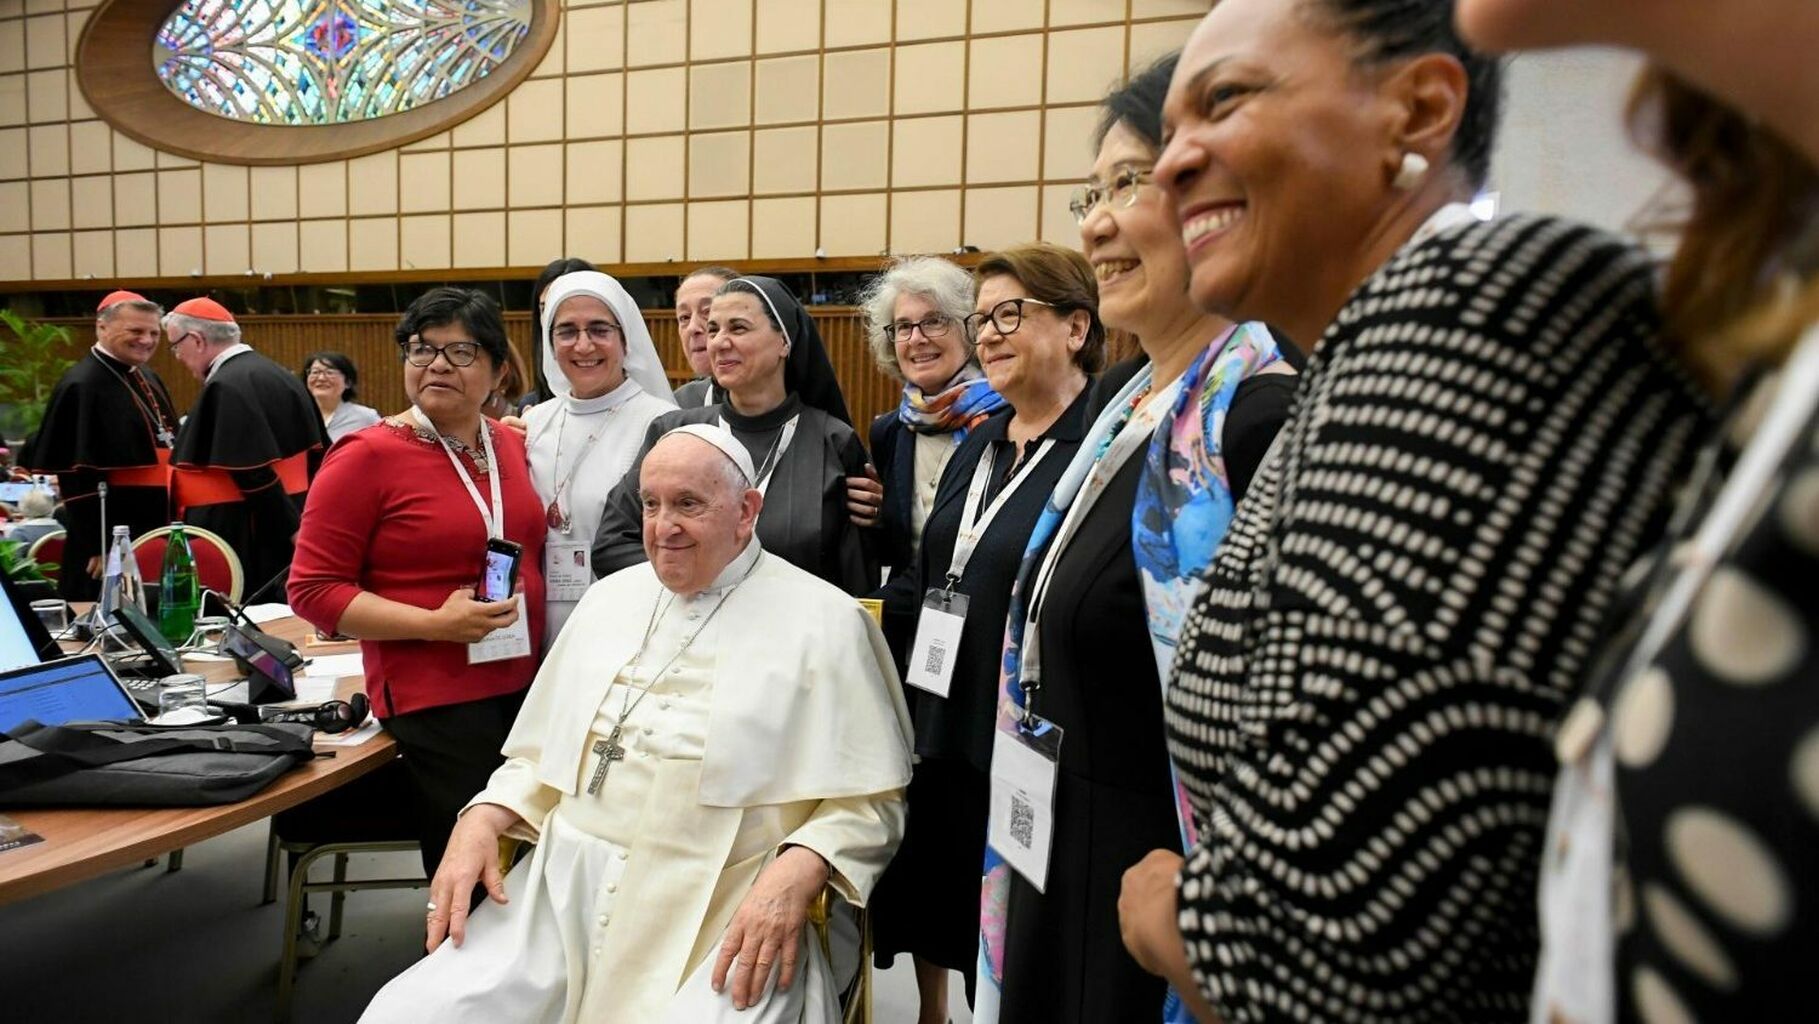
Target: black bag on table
[(111, 764)]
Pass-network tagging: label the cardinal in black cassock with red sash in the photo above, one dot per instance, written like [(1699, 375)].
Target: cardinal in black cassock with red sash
[(246, 453), (109, 420)]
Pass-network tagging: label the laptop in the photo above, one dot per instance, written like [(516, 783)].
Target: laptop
[(23, 638), (78, 689)]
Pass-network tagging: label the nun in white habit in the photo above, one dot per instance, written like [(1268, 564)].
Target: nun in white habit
[(608, 385)]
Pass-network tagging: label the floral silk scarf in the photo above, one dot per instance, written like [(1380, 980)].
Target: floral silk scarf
[(963, 404)]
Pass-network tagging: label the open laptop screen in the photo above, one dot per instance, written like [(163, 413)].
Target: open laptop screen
[(22, 637), (79, 689)]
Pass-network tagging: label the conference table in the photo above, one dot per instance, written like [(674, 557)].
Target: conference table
[(84, 842)]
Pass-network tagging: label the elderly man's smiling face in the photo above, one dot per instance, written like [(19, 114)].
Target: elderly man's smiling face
[(698, 512)]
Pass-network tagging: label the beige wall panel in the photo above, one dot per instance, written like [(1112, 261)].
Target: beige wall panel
[(929, 19), (44, 45), (79, 110), (656, 101), (41, 6), (136, 252), (654, 169), (534, 174), (1008, 15), (1169, 8), (442, 140), (179, 196), (12, 99), (783, 228), (533, 237), (785, 25), (925, 222), (130, 155), (135, 199), (227, 249), (179, 252), (423, 183), (479, 239), (1084, 12), (322, 190), (372, 244), (50, 204), (997, 217), (479, 179), (720, 95), (596, 38), (423, 242), (1004, 147), (94, 254), (372, 183), (12, 46), (858, 84), (533, 112), (788, 89), (653, 233), (50, 150), (717, 231), (16, 257), (855, 155), (275, 247), (1067, 144), (486, 128), (593, 234), (552, 65), (12, 153), (51, 256), (718, 165), (1157, 39), (656, 32), (1084, 63), (858, 22), (719, 28), (47, 96), (92, 202), (596, 106), (926, 151), (15, 206), (1006, 71), (75, 19), (322, 246), (784, 160), (167, 161), (930, 77), (274, 195), (224, 192), (594, 169), (853, 225)]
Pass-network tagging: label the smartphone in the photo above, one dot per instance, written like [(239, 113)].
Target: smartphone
[(501, 572)]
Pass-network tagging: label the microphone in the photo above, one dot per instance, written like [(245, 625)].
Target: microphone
[(238, 611)]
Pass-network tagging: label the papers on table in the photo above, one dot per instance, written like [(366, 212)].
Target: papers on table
[(351, 738), (314, 689), (334, 666), (264, 613)]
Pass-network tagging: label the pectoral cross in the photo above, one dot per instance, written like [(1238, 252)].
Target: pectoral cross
[(609, 751)]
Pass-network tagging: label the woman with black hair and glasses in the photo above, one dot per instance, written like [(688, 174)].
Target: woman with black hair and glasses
[(392, 546), (333, 382)]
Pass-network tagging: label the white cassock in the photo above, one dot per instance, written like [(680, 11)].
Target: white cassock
[(782, 724)]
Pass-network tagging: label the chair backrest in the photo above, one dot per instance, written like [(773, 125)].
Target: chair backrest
[(217, 566), (48, 551)]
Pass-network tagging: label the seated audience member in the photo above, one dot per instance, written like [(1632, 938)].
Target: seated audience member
[(784, 405), (37, 511), (716, 738), (1680, 877), (333, 382), (1485, 437), (393, 544), (694, 298)]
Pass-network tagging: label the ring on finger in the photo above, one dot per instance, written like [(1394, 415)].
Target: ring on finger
[(432, 906)]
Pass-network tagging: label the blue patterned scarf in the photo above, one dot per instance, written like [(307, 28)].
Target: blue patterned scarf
[(964, 403)]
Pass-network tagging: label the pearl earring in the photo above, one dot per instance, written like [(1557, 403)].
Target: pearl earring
[(1413, 169)]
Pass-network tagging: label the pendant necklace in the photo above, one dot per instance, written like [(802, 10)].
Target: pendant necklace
[(555, 515), (154, 415)]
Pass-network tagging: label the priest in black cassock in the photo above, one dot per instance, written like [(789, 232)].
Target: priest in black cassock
[(109, 420), (250, 446)]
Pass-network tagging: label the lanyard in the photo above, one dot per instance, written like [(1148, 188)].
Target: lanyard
[(778, 447), (972, 524), (495, 517)]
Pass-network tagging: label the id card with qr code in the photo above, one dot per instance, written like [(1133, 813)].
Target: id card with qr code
[(1021, 826), (931, 664)]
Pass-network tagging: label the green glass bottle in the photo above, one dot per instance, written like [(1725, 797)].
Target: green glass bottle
[(179, 592)]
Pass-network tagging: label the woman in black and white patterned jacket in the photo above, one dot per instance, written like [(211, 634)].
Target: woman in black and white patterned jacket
[(1485, 436)]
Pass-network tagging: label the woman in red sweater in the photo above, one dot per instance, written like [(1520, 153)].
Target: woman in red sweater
[(393, 542)]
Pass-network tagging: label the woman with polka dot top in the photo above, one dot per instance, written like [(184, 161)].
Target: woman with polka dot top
[(1680, 880)]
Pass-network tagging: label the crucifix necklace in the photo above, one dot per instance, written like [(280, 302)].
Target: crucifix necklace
[(153, 413), (555, 515), (611, 749)]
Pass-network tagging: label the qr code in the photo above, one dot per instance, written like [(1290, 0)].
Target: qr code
[(934, 659), (1023, 822)]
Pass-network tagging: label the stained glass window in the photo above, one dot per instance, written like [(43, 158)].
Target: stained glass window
[(317, 62)]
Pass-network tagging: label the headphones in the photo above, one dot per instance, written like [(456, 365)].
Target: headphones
[(330, 716)]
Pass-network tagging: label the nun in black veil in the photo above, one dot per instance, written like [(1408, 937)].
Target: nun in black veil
[(782, 401)]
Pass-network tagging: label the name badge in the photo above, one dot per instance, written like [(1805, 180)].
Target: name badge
[(568, 570), (931, 664), (1025, 760), (513, 641)]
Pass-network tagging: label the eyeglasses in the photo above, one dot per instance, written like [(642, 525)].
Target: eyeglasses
[(325, 371), (932, 327), (600, 332), (458, 353), (181, 338), (1005, 317), (1120, 194)]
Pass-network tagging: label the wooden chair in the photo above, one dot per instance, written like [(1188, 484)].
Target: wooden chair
[(217, 566), (47, 551)]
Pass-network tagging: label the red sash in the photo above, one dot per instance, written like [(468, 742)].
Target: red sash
[(194, 488)]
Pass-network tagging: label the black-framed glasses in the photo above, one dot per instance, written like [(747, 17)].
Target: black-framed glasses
[(1005, 317), (1120, 193), (323, 371), (458, 353), (599, 331), (185, 336), (932, 327)]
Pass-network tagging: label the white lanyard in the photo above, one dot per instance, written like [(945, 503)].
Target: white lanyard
[(494, 518), (788, 434), (972, 524)]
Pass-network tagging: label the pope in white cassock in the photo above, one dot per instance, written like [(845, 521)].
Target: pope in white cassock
[(715, 736)]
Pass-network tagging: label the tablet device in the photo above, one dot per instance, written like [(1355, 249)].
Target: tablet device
[(165, 661), (268, 678), (78, 689)]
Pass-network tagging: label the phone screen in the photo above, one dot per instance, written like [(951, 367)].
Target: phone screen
[(501, 570)]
